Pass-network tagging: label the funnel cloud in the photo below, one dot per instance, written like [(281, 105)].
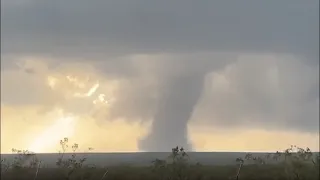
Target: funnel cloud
[(177, 101)]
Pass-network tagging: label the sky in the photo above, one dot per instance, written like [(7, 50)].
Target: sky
[(138, 75)]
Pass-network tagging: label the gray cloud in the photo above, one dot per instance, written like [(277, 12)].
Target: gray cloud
[(163, 50), (275, 92), (123, 26)]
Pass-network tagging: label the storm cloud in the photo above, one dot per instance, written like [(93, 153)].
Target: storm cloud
[(219, 63)]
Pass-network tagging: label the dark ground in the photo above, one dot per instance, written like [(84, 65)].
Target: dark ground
[(192, 172)]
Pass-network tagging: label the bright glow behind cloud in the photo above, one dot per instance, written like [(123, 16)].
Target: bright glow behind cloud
[(63, 127)]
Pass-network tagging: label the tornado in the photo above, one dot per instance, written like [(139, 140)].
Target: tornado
[(178, 98)]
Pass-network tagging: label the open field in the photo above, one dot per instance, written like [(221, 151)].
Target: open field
[(139, 158), (292, 164), (248, 172)]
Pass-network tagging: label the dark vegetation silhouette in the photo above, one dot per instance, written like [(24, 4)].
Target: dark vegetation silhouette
[(294, 163)]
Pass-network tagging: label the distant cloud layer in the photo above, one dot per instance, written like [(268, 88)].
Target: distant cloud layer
[(215, 63), (139, 26)]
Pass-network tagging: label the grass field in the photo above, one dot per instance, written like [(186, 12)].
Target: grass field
[(248, 172), (293, 164)]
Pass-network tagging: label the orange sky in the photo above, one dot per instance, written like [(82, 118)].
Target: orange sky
[(21, 127)]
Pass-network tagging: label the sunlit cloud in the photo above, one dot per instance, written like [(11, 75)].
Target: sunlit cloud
[(124, 107)]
